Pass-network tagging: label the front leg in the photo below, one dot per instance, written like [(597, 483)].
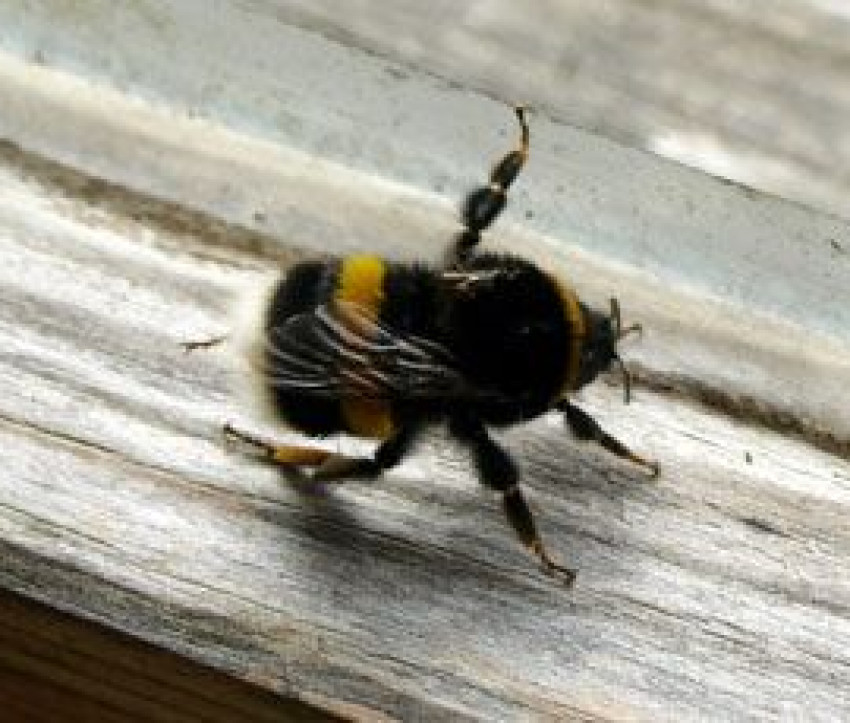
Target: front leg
[(586, 428), (498, 472)]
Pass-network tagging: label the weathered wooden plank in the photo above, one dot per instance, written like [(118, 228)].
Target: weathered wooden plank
[(752, 95), (719, 591), (54, 665)]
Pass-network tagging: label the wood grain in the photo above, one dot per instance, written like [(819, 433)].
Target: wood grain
[(55, 666), (720, 591), (758, 97)]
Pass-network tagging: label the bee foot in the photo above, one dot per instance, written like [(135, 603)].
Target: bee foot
[(257, 445), (567, 575), (338, 466), (650, 465)]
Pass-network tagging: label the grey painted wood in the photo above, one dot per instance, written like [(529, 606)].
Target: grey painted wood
[(748, 94)]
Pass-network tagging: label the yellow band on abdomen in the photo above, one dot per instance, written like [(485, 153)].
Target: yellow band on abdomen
[(361, 282), (575, 319)]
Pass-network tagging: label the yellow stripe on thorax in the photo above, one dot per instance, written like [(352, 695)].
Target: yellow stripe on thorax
[(361, 282), (578, 331)]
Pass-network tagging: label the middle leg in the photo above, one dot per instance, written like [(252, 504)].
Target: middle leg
[(498, 472)]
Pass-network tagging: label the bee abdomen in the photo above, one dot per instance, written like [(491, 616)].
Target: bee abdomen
[(306, 286), (358, 280)]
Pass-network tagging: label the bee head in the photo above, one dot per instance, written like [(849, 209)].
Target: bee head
[(599, 350)]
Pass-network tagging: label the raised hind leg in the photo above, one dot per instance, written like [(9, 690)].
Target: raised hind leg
[(485, 203), (328, 465)]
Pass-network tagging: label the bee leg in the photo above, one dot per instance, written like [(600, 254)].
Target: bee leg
[(388, 454), (499, 472), (484, 204), (586, 428), (329, 465), (283, 454)]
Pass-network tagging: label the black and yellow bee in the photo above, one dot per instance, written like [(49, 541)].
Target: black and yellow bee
[(377, 349)]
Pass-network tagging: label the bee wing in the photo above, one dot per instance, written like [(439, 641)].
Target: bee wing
[(339, 350)]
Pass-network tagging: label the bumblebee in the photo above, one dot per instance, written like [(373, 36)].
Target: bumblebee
[(376, 349)]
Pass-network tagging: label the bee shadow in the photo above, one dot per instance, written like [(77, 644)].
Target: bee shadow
[(342, 545)]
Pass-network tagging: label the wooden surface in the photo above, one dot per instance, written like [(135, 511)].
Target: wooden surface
[(719, 591), (58, 667), (754, 95), (129, 224)]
